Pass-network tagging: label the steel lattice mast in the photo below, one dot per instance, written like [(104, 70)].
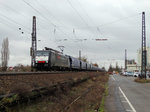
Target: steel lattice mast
[(143, 54), (34, 43)]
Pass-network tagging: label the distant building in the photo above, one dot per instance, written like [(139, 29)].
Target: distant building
[(132, 66)]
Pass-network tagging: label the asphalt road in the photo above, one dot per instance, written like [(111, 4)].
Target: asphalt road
[(125, 95)]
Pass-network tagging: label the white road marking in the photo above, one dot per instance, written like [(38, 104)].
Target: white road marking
[(124, 101), (113, 78), (129, 110), (133, 109)]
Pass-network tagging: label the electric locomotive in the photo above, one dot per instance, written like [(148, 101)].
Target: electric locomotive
[(50, 59)]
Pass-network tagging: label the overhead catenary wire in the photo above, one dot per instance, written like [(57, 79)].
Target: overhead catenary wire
[(8, 26), (37, 11), (24, 29), (77, 13), (45, 18), (91, 20), (14, 22), (55, 25), (4, 17), (118, 20), (13, 10), (50, 14)]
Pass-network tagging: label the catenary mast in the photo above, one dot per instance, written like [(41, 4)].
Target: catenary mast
[(143, 54), (34, 43)]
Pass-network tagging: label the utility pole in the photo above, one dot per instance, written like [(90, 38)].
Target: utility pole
[(144, 54), (34, 43), (125, 60), (79, 54)]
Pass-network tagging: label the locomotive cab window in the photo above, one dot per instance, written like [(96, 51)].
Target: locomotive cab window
[(41, 53)]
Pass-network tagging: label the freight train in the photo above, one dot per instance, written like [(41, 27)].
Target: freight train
[(49, 59)]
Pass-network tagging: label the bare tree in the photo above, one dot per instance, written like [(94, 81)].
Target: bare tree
[(5, 54)]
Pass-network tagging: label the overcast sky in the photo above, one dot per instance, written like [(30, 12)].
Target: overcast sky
[(119, 21)]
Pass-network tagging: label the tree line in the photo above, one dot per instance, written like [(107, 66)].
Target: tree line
[(111, 68)]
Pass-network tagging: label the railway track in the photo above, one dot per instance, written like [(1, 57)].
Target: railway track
[(33, 73)]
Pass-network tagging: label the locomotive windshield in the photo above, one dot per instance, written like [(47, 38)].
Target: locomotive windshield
[(42, 53)]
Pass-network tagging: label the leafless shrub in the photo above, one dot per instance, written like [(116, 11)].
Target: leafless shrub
[(22, 68)]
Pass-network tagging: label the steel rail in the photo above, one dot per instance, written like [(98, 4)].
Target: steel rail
[(32, 73)]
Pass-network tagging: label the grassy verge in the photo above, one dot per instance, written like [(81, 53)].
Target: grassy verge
[(142, 80), (102, 108)]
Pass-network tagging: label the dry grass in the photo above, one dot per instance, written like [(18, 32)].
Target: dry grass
[(26, 83), (142, 80), (88, 102)]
